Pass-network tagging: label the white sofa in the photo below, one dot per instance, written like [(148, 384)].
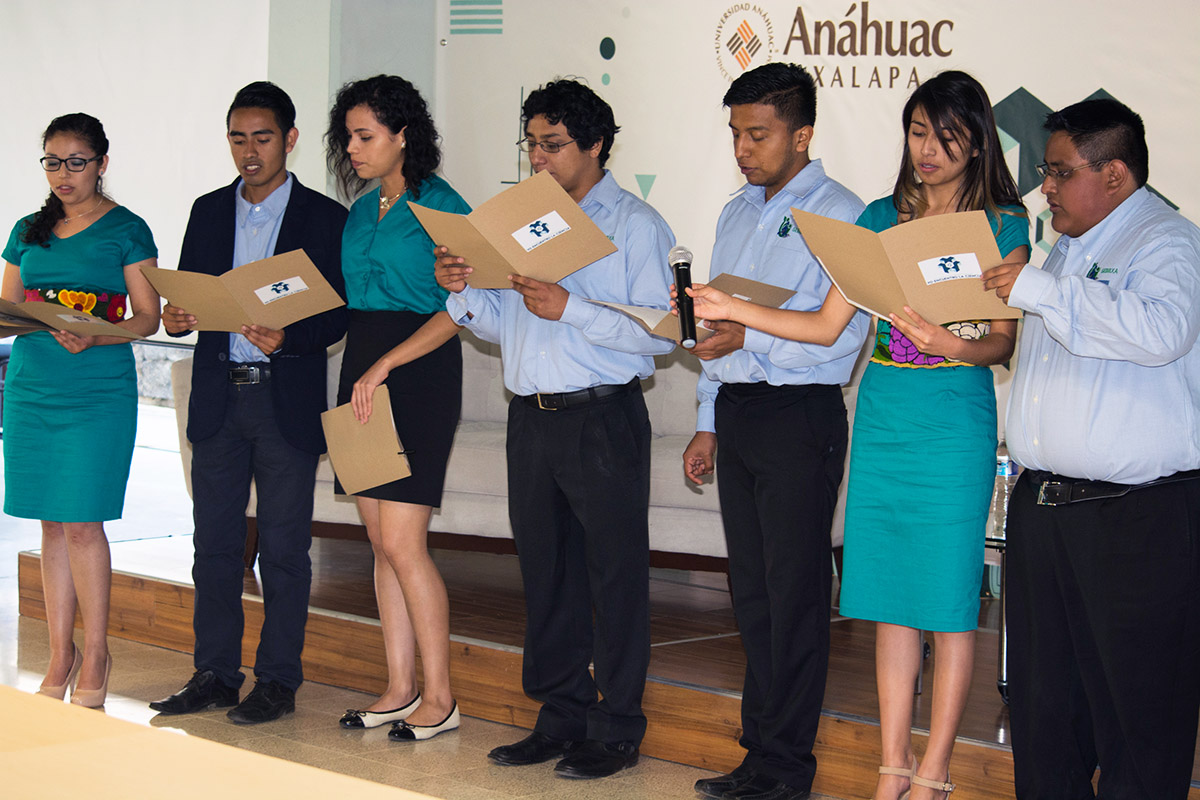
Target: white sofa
[(684, 519)]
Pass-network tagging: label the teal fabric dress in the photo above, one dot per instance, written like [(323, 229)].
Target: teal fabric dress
[(70, 419), (922, 469)]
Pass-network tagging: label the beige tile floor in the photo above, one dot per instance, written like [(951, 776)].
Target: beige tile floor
[(452, 766)]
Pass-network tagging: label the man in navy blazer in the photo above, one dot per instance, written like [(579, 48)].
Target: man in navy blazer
[(254, 413)]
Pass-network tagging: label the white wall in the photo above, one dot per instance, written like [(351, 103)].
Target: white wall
[(299, 57), (160, 76)]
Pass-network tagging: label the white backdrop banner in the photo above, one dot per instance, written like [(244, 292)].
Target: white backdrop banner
[(664, 66)]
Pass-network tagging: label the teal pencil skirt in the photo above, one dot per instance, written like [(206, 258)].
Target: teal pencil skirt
[(69, 425), (922, 470)]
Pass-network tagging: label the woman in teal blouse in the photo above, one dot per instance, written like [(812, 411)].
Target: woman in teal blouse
[(923, 452), (380, 129), (70, 402)]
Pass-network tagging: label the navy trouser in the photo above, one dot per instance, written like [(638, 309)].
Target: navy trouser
[(248, 446)]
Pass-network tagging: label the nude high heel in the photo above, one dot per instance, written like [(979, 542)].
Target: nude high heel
[(906, 772), (941, 786), (60, 691), (94, 698)]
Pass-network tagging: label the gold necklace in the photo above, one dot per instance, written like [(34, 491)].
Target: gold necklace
[(386, 202), (86, 213)]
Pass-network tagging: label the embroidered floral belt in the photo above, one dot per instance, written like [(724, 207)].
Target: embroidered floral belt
[(106, 305)]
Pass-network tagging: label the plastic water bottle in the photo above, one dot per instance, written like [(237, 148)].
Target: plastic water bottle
[(1006, 478)]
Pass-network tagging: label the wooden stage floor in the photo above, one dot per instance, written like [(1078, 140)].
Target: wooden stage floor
[(696, 657)]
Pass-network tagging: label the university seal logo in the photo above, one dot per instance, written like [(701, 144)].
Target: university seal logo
[(744, 39)]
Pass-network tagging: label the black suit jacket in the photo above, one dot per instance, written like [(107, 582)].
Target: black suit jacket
[(313, 222)]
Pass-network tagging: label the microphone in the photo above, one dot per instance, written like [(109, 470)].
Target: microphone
[(680, 259)]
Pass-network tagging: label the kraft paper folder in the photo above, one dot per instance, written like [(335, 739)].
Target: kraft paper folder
[(18, 318), (365, 456), (533, 229), (665, 324), (931, 265), (273, 292)]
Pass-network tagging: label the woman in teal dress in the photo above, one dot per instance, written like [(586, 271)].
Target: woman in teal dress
[(380, 129), (70, 402), (923, 452)]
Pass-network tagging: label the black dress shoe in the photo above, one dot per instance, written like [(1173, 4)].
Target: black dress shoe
[(718, 786), (267, 701), (201, 692), (535, 748), (764, 787), (595, 759)]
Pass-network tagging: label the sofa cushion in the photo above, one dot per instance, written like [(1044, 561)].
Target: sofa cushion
[(477, 462)]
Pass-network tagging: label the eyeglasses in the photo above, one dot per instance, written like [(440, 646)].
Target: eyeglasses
[(1060, 175), (52, 164), (550, 148)]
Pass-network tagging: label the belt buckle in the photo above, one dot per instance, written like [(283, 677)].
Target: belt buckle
[(542, 405), (1053, 493), (246, 374)]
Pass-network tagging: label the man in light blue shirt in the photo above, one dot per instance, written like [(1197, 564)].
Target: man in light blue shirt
[(771, 414), (1103, 583), (255, 233), (579, 447)]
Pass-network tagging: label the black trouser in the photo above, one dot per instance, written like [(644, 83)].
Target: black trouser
[(780, 454), (249, 446), (578, 498), (1104, 643)]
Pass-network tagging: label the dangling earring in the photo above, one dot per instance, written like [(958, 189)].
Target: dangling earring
[(917, 176)]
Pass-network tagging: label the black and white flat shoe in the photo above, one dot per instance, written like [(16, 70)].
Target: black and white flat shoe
[(358, 720), (405, 732)]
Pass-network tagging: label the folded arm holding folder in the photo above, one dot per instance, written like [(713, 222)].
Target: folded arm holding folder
[(865, 268)]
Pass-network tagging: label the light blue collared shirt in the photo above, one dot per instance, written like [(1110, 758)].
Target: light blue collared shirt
[(254, 236), (757, 239), (591, 345), (1108, 380)]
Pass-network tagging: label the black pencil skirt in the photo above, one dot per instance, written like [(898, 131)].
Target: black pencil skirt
[(426, 400)]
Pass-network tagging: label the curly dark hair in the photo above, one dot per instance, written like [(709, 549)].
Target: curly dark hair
[(40, 228), (587, 118), (788, 88), (397, 105)]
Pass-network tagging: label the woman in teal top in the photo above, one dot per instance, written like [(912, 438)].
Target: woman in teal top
[(923, 452), (70, 402), (380, 128)]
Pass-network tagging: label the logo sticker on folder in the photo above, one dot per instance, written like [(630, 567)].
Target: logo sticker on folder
[(949, 268), (540, 231), (280, 289)]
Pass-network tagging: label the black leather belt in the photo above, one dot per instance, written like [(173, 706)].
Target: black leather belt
[(565, 400), (1056, 490), (249, 373)]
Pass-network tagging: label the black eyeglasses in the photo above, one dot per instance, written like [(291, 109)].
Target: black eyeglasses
[(1060, 175), (547, 147), (52, 163)]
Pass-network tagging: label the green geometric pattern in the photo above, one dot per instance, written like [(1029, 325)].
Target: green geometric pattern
[(1007, 143), (476, 17), (644, 183), (1019, 118)]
